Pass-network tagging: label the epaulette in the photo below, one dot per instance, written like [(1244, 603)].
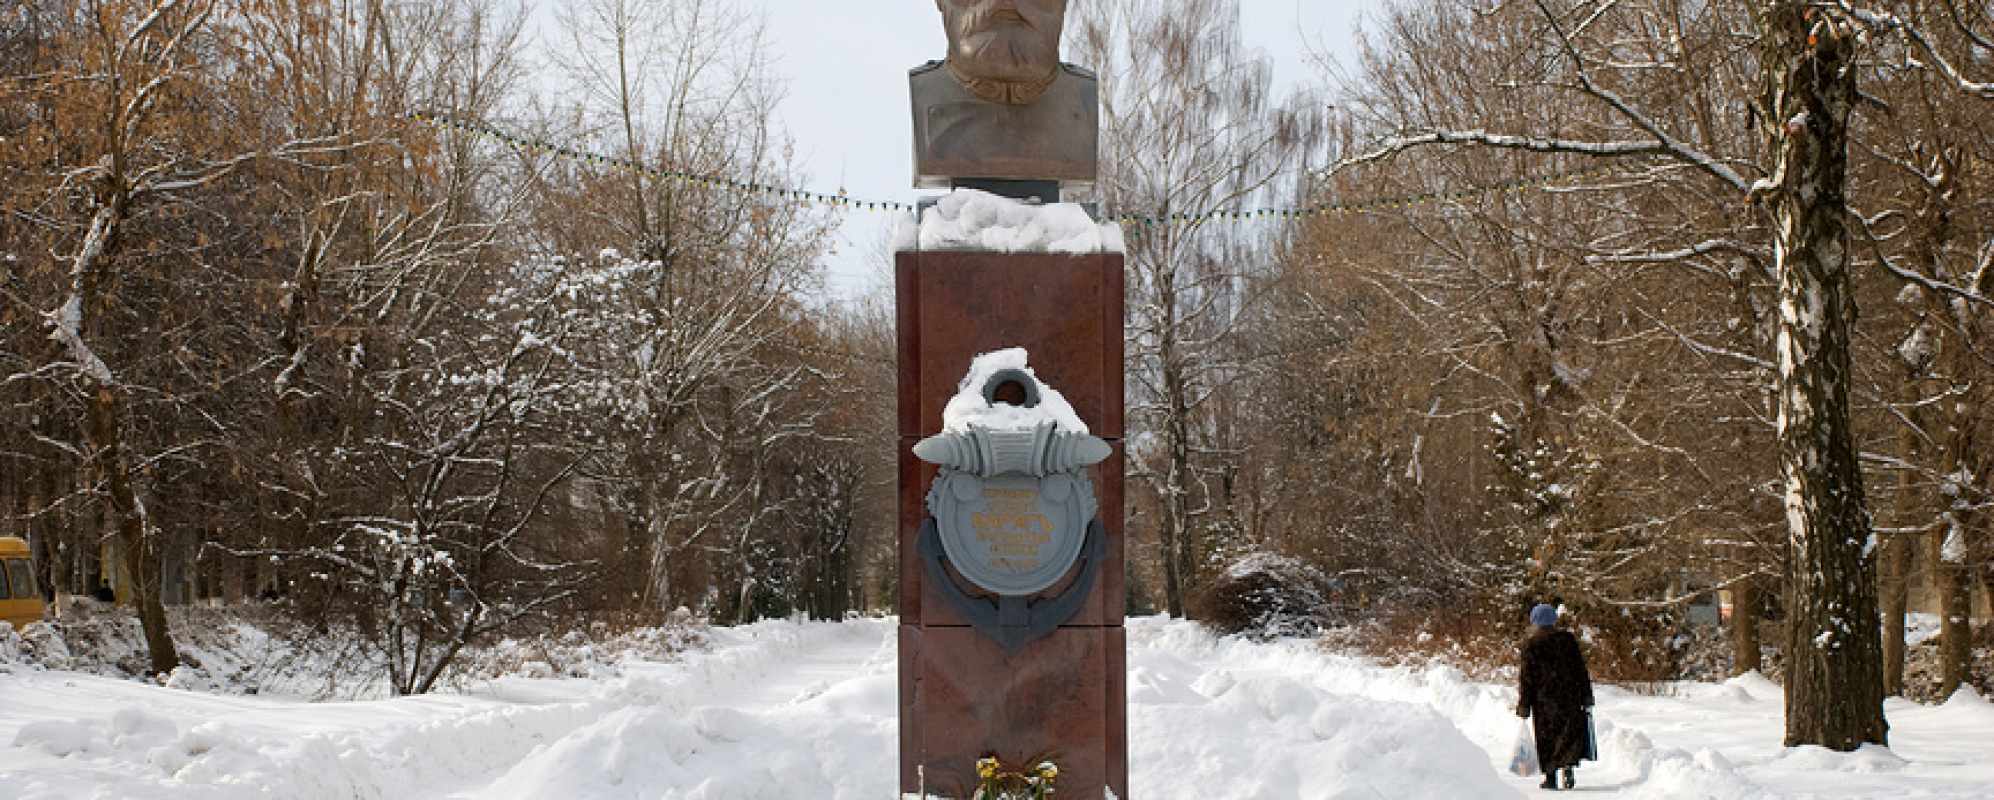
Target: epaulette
[(1076, 69), (925, 68)]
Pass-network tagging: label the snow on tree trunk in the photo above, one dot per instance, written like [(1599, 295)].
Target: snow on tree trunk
[(1952, 571), (1175, 534), (142, 561), (1834, 686), (1952, 583), (105, 429)]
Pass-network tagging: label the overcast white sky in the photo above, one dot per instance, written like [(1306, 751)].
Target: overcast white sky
[(846, 62)]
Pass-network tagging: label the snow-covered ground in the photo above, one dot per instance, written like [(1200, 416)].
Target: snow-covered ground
[(779, 710)]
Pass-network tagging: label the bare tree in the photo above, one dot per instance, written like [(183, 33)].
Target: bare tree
[(681, 348), (120, 150), (1189, 126)]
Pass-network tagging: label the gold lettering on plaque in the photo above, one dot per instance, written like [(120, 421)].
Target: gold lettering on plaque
[(1012, 529)]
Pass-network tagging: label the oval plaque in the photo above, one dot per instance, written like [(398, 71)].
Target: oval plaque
[(1012, 534)]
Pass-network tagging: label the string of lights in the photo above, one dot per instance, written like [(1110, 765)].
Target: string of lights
[(842, 202)]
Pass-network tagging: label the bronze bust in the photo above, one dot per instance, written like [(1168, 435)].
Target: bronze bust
[(1002, 107)]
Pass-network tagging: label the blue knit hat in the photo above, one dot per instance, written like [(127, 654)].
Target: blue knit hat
[(1544, 615)]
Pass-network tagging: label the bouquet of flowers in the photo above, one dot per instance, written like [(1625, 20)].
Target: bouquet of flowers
[(997, 783)]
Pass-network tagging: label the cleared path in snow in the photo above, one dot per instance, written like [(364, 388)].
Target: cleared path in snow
[(780, 710)]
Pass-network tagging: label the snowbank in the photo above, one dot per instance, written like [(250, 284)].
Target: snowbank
[(107, 738), (968, 407), (13, 649), (1257, 728), (968, 219), (244, 649), (755, 718), (657, 725)]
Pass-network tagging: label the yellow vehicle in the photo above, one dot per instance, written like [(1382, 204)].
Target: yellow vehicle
[(20, 602)]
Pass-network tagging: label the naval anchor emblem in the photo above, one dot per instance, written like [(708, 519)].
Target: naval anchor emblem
[(1013, 513)]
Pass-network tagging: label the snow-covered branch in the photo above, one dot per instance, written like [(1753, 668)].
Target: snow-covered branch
[(1886, 22)]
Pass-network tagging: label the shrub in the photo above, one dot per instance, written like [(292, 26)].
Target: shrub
[(1265, 595)]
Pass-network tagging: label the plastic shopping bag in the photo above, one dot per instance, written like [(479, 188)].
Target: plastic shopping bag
[(1523, 757), (1592, 740)]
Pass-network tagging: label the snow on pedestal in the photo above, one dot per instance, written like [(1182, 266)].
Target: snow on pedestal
[(968, 408), (973, 220)]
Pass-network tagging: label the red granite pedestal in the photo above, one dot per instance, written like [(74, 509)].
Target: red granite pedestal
[(961, 695)]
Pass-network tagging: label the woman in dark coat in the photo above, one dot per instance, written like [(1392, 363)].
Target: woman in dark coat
[(1555, 692)]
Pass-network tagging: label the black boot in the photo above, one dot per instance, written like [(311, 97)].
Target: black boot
[(1568, 777), (1550, 781)]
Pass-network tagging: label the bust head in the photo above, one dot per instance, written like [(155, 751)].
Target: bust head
[(1004, 50)]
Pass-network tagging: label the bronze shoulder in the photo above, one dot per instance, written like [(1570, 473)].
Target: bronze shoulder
[(1076, 70), (925, 68)]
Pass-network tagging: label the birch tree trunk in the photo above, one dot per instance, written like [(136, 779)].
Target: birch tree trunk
[(1175, 535), (1834, 686)]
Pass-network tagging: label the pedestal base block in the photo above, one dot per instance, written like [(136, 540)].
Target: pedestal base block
[(1060, 697)]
